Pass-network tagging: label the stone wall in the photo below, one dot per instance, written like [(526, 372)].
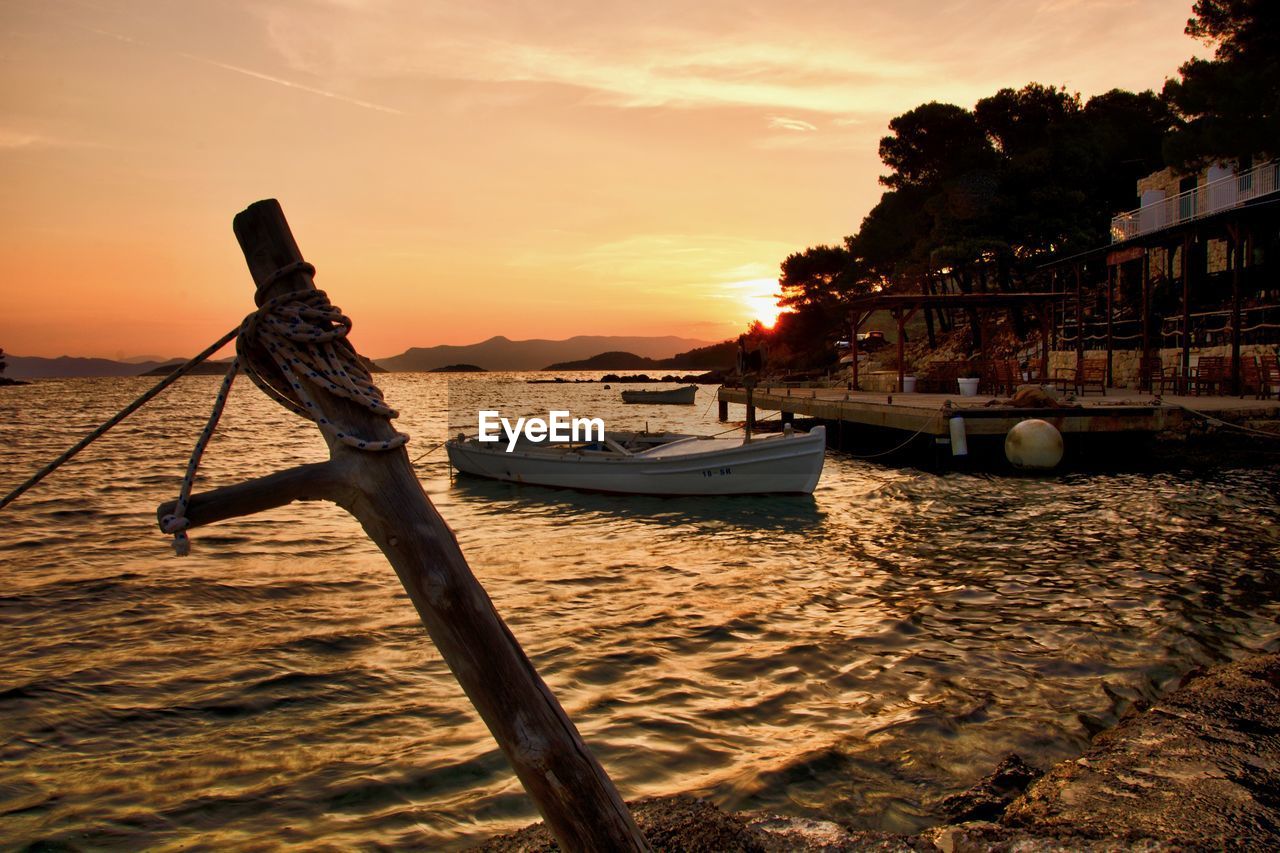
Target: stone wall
[(1167, 182), (1125, 363), (1164, 180)]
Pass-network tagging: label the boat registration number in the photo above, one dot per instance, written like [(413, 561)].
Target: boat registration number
[(716, 472)]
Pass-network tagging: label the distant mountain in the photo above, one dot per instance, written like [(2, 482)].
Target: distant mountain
[(719, 356), (459, 368), (219, 367), (155, 359), (606, 361), (34, 367), (204, 368), (499, 353)]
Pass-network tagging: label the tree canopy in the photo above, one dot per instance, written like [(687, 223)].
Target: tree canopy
[(1229, 105), (981, 197)]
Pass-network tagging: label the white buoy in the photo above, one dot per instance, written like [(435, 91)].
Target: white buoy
[(1033, 445)]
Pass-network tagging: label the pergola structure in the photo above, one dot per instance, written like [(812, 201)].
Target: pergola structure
[(903, 306), (1239, 225)]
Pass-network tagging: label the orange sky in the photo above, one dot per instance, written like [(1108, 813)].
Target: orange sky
[(459, 170)]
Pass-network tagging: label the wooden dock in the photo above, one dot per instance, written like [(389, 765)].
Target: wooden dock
[(879, 417)]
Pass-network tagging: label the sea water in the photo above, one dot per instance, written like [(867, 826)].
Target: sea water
[(858, 654)]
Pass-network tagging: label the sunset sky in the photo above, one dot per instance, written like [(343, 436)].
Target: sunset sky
[(457, 170)]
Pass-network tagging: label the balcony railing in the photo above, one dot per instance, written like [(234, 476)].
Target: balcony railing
[(1224, 193)]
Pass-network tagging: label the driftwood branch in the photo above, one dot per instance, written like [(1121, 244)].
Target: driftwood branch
[(575, 796), (319, 481)]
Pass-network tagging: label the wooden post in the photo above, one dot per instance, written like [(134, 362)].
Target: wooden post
[(1186, 314), (859, 317), (1111, 379), (749, 383), (1145, 381), (902, 316), (570, 788), (1079, 318), (1235, 253), (902, 368), (1046, 328)]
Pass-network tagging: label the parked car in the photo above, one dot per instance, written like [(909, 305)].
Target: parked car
[(871, 341)]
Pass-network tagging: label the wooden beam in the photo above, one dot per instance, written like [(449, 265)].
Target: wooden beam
[(1079, 316), (859, 317), (1146, 319), (569, 787), (902, 368), (1185, 379), (1235, 254), (1111, 379)]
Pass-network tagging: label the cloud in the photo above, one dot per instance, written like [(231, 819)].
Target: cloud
[(11, 139), (660, 55), (248, 72), (781, 123), (280, 81)]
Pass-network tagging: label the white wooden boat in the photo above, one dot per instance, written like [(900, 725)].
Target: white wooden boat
[(676, 396), (654, 464)]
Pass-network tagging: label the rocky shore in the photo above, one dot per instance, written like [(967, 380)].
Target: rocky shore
[(1199, 770)]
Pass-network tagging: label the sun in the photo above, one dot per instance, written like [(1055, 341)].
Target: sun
[(763, 308), (757, 298)]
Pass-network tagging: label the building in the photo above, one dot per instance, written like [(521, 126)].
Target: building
[(1193, 271)]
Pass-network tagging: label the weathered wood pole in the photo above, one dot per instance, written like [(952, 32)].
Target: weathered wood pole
[(902, 328), (1111, 380), (1235, 255), (1185, 379), (859, 317), (1079, 319), (1144, 381), (569, 787)]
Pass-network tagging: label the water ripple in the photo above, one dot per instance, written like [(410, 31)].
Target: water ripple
[(860, 653)]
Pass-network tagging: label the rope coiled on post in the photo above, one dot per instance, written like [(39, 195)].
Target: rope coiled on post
[(295, 349)]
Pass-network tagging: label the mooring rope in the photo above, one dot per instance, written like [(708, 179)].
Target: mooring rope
[(1220, 422), (925, 425), (115, 419), (293, 347)]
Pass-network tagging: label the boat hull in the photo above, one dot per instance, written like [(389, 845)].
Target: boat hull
[(776, 464), (673, 397)]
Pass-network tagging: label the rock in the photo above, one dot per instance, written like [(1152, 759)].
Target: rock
[(992, 794), (1199, 770), (671, 824)]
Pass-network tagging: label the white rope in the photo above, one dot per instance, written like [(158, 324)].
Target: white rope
[(294, 347), (102, 430), (925, 425), (1220, 422)]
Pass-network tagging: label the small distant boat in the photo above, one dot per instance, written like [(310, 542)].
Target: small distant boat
[(788, 462), (672, 396)]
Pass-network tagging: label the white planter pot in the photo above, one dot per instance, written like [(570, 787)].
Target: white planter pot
[(968, 386), (908, 384)]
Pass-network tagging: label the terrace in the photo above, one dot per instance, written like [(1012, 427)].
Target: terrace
[(1214, 196)]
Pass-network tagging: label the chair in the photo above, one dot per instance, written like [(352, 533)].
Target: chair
[(1251, 378), (1006, 375), (1153, 376), (997, 378), (1268, 375), (1210, 375), (1090, 372)]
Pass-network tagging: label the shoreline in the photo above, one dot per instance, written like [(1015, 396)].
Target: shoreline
[(1198, 769)]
